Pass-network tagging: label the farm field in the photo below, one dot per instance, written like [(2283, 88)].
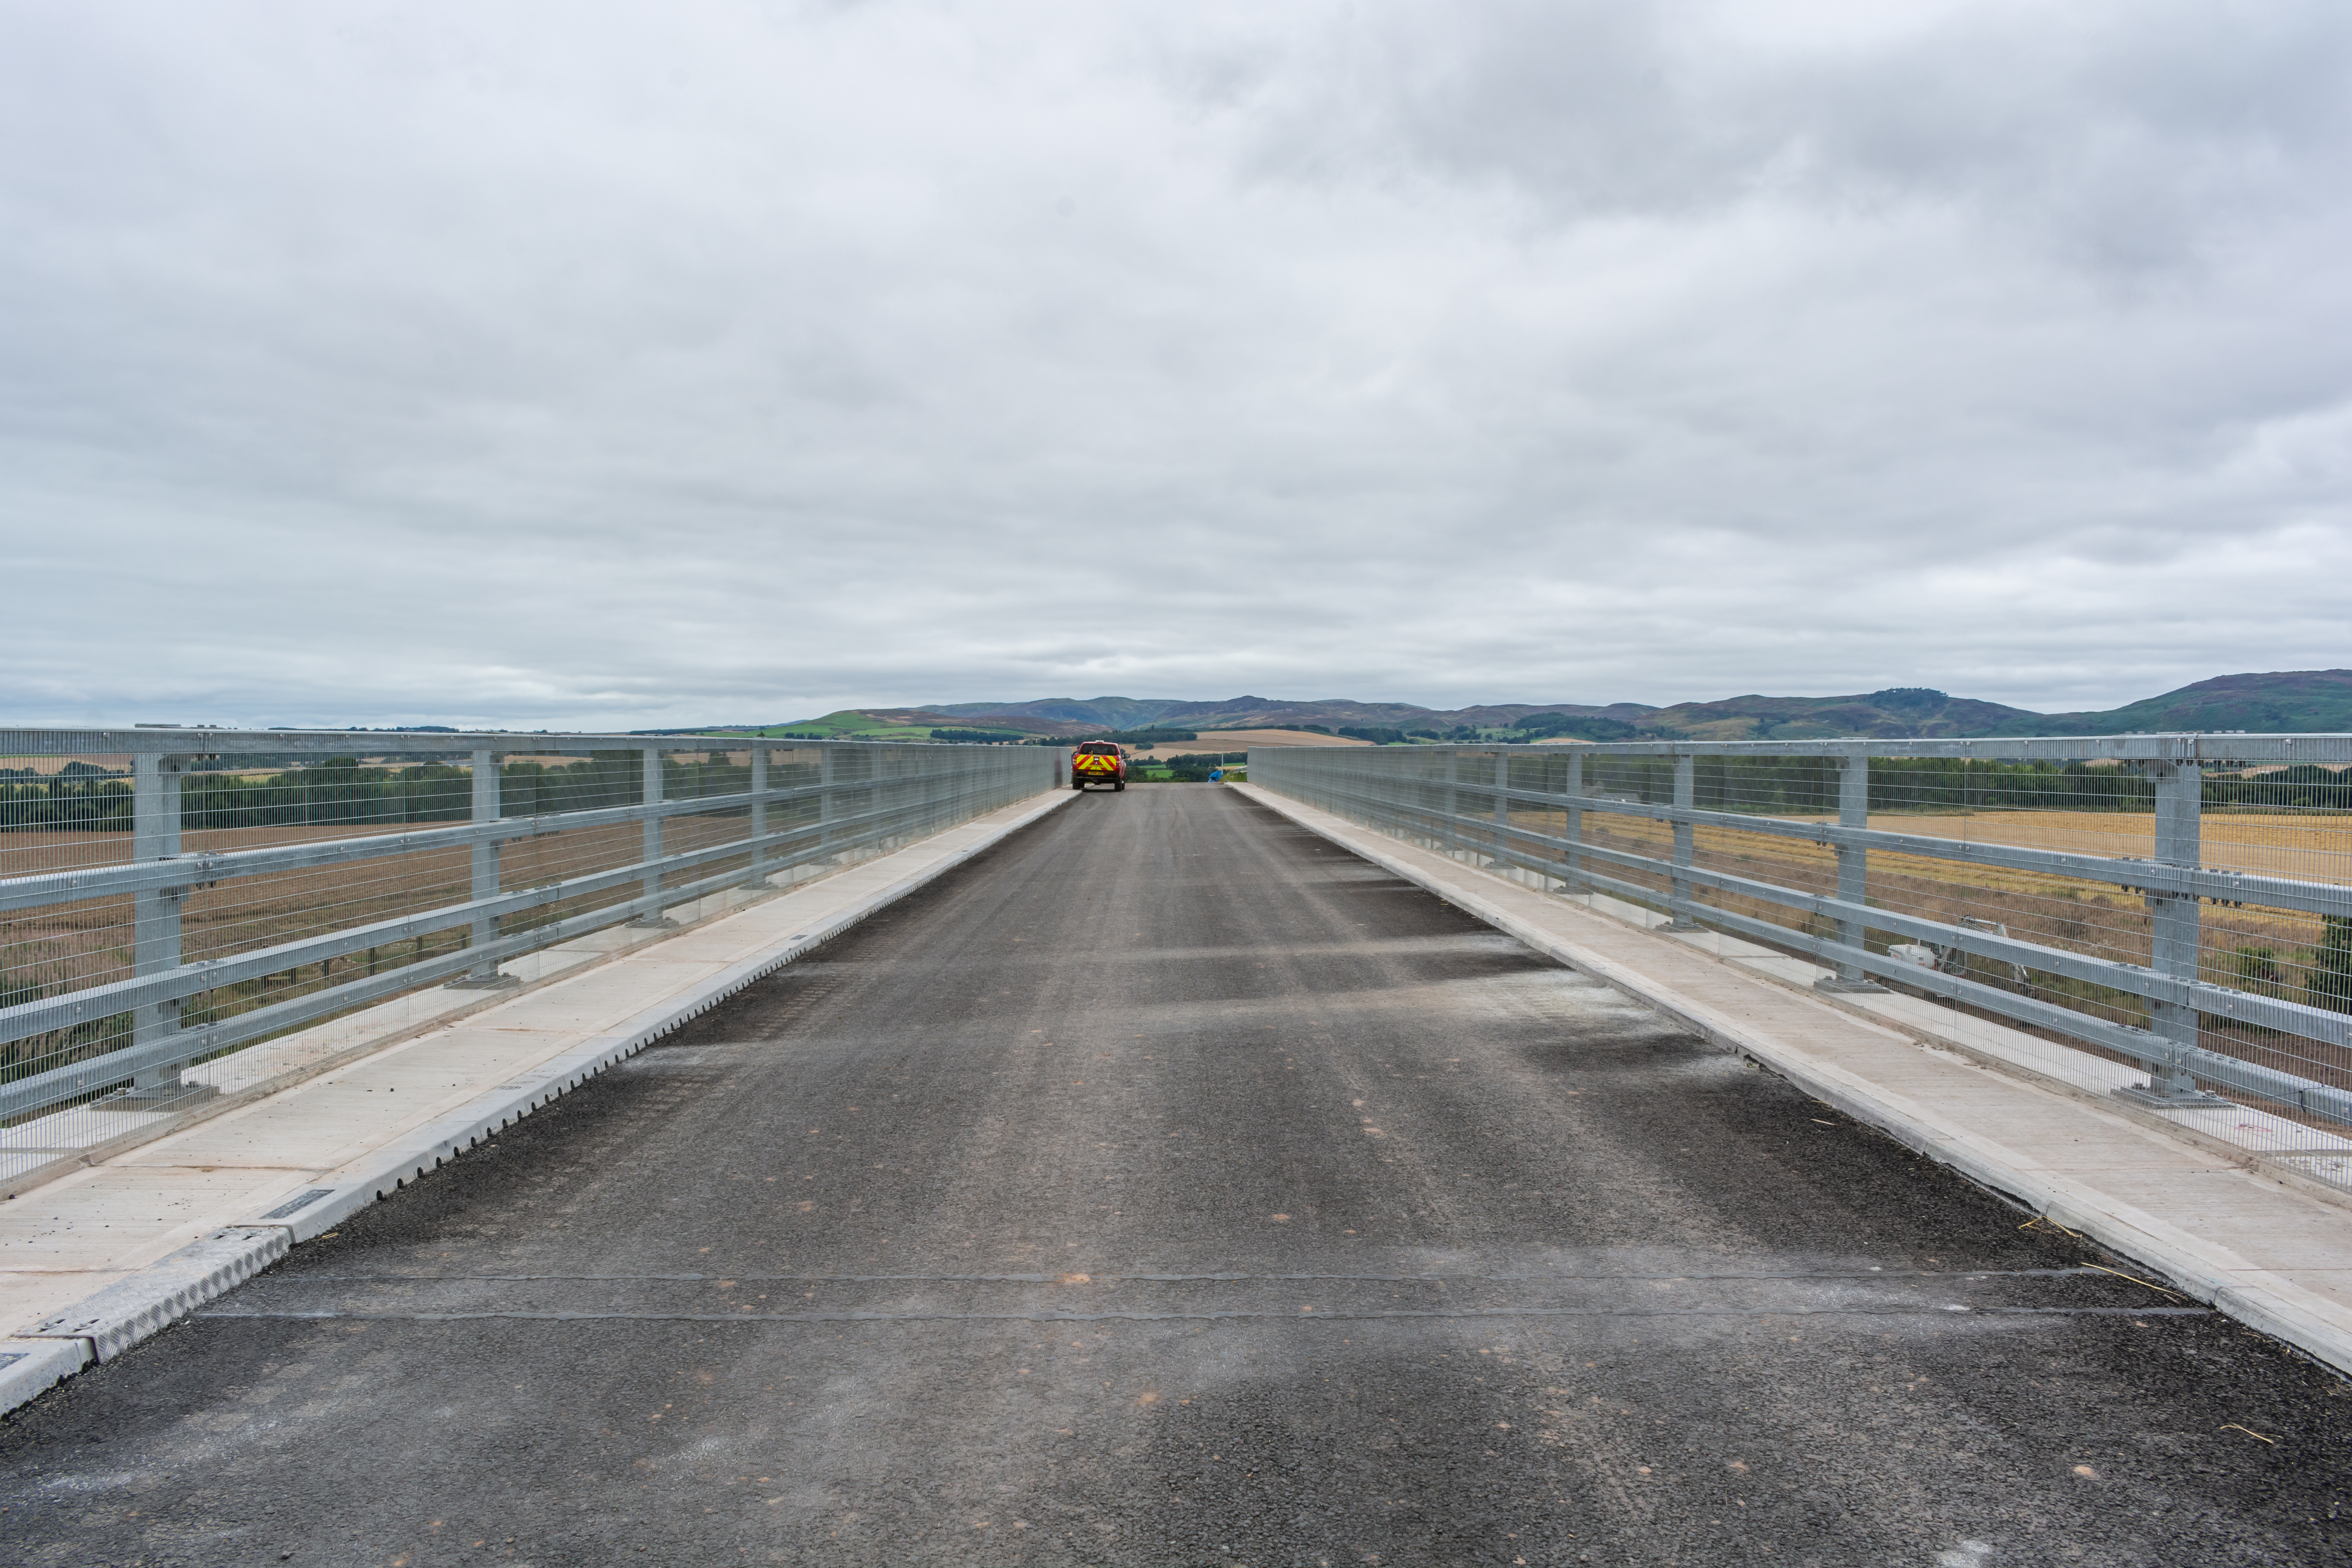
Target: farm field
[(2309, 846), (63, 947), (2275, 952), (2061, 911), (1243, 740)]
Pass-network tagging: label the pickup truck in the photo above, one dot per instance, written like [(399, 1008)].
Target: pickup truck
[(1098, 762)]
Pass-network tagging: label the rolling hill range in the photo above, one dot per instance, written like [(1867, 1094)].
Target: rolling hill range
[(2300, 702), (2293, 702)]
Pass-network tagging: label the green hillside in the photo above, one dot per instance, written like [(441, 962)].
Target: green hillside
[(2291, 701)]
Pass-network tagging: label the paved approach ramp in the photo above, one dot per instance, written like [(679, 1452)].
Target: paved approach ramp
[(1167, 1186)]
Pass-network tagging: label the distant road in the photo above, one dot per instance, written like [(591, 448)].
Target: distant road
[(1167, 1186)]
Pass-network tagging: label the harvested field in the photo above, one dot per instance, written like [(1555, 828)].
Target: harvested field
[(1243, 740), (64, 947), (2309, 846), (2090, 918)]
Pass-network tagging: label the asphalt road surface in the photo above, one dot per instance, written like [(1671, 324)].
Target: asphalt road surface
[(1169, 1187)]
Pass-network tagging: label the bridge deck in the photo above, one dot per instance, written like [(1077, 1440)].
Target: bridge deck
[(1169, 1185)]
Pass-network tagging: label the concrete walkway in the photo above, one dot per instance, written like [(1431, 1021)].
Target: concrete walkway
[(98, 1258), (2262, 1246)]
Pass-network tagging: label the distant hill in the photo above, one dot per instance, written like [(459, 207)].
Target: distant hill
[(1884, 713), (2287, 702), (2292, 702)]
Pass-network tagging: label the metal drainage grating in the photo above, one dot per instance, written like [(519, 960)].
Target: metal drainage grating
[(298, 1202)]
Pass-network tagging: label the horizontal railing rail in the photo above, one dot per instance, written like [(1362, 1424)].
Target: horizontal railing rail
[(846, 801), (1463, 800)]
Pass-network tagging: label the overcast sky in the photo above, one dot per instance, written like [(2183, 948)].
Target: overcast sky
[(591, 366)]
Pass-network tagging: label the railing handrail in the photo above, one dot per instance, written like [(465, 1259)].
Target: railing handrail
[(867, 795), (1420, 789), (2203, 747)]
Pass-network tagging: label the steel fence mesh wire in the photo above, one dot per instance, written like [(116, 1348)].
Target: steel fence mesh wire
[(2286, 820), (66, 811)]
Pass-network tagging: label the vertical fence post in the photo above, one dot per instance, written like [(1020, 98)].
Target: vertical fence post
[(2173, 935), (1686, 839), (1852, 867), (1575, 831), (758, 812), (1453, 804), (1502, 810), (485, 973), (827, 807), (155, 927), (650, 887)]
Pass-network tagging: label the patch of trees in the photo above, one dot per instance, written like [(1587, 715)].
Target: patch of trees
[(1193, 767), (2306, 786), (2325, 972), (1793, 785), (1541, 726), (972, 737)]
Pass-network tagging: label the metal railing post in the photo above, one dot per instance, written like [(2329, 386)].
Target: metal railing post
[(1686, 799), (1453, 804), (1575, 831), (650, 889), (826, 810), (2173, 935), (758, 812), (155, 928), (1502, 805), (1852, 867), (485, 974)]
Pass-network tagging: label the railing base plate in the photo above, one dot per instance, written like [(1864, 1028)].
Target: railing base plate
[(170, 1098), (1850, 987), (2156, 1099)]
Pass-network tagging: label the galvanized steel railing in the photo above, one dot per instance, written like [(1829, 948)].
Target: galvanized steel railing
[(315, 860), (2216, 952)]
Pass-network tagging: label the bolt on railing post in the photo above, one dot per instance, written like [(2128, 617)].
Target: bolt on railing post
[(1852, 869), (1575, 833), (1686, 799), (485, 973), (2174, 934), (758, 812), (155, 923), (650, 887)]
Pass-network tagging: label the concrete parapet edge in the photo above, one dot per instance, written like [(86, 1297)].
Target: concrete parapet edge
[(2276, 1307), (129, 1310), (109, 1321), (32, 1367)]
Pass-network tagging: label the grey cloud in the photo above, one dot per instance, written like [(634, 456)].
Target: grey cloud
[(2134, 127), (575, 365)]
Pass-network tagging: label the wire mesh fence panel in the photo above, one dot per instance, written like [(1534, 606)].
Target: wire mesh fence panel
[(180, 910), (2181, 904)]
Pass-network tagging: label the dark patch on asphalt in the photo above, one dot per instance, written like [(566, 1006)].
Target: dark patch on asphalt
[(1167, 1186)]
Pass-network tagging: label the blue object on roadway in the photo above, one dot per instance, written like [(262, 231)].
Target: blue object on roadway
[(1216, 776)]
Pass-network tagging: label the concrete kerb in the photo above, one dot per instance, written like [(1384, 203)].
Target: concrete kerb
[(109, 1322), (129, 1310), (30, 1368), (2279, 1308)]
